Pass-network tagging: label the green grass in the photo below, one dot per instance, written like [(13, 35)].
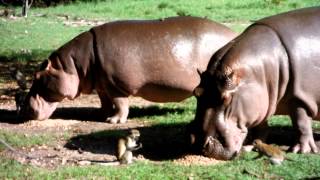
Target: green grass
[(35, 38), (168, 113), (225, 10), (301, 167), (16, 139), (244, 167)]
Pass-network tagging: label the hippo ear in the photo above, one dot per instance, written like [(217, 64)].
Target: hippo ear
[(46, 68), (44, 65), (49, 65), (49, 68)]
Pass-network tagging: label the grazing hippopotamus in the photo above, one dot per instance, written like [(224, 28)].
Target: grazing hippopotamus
[(273, 67), (154, 59)]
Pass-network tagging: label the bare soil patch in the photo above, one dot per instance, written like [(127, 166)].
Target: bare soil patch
[(91, 141), (80, 137)]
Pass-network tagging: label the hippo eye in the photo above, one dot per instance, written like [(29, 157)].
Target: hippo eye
[(229, 83), (226, 81)]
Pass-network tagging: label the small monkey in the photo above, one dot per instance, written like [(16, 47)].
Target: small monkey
[(20, 78), (127, 145), (124, 149), (275, 154), (19, 98), (21, 93)]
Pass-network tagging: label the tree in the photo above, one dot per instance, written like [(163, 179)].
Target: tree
[(25, 7)]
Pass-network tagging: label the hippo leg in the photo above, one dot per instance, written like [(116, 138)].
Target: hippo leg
[(107, 109), (303, 123), (121, 110)]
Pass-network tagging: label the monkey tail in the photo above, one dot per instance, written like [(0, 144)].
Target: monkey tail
[(112, 163)]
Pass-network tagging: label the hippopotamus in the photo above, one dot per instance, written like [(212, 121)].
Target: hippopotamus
[(157, 60), (273, 67)]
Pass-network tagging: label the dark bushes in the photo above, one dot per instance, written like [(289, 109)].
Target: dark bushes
[(43, 3)]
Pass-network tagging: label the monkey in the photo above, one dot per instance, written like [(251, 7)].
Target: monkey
[(21, 92), (124, 149), (19, 98), (276, 155), (19, 77), (127, 145)]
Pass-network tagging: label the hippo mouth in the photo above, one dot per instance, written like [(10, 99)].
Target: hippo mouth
[(213, 148)]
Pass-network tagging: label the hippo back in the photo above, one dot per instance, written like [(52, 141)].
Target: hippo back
[(160, 57)]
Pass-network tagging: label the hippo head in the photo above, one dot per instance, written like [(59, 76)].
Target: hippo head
[(217, 134), (228, 103), (50, 85)]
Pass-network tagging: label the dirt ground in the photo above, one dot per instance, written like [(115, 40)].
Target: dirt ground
[(80, 138), (89, 140)]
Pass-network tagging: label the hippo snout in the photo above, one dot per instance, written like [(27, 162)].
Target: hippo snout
[(213, 148)]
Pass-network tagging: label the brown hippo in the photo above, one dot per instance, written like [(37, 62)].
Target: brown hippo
[(273, 67), (153, 59)]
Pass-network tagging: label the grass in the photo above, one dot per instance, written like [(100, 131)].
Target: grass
[(16, 139), (34, 38), (302, 167), (168, 113)]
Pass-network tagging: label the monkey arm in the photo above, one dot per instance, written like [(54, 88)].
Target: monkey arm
[(138, 146)]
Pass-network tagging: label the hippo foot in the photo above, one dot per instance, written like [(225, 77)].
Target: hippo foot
[(247, 148), (115, 120), (306, 145)]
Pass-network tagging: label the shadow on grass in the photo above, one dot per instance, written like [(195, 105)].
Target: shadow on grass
[(287, 136), (92, 114), (163, 142), (46, 3), (9, 116), (160, 142)]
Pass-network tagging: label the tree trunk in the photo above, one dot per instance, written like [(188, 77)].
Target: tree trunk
[(25, 8)]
